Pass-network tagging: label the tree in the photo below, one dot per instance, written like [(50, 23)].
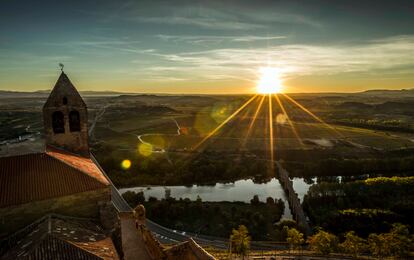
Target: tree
[(284, 233), (353, 244), (323, 242), (240, 240), (255, 201), (400, 240), (294, 238), (270, 201), (134, 198), (395, 243), (281, 229), (378, 245)]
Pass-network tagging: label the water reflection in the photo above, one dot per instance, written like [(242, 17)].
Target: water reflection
[(242, 190)]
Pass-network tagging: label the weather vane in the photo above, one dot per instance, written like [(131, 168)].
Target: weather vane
[(61, 66)]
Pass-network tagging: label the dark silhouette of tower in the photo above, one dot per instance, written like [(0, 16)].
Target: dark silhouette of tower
[(65, 118)]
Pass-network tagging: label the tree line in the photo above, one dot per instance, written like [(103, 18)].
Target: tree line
[(212, 218), (366, 206), (397, 242)]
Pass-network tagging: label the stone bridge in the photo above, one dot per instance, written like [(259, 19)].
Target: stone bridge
[(293, 199)]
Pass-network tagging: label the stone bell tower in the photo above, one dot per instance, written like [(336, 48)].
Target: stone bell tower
[(65, 118)]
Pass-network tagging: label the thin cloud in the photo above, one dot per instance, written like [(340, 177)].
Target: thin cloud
[(91, 46), (225, 17), (294, 60), (205, 39), (205, 22)]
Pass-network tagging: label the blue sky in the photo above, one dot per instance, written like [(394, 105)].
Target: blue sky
[(207, 46)]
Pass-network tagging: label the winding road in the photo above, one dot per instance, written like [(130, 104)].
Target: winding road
[(156, 149)]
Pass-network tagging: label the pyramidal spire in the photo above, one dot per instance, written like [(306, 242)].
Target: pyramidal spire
[(65, 118), (63, 86)]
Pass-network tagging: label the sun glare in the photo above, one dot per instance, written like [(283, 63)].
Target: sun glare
[(269, 82)]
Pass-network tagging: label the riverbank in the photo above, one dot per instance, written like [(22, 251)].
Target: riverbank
[(241, 190), (213, 218)]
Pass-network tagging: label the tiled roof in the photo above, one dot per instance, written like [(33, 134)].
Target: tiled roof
[(52, 247), (39, 176), (60, 237), (86, 165)]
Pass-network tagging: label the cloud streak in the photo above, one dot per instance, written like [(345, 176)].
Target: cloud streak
[(214, 15), (395, 53), (214, 39)]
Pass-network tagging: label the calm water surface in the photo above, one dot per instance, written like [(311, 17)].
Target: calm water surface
[(242, 190)]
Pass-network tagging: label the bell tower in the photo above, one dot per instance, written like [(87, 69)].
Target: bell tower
[(65, 118)]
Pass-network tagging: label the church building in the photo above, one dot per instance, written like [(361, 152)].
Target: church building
[(64, 178), (59, 204)]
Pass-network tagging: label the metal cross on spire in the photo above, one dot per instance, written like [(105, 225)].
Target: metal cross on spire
[(61, 66)]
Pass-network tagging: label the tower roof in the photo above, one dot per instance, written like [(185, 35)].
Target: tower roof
[(63, 88)]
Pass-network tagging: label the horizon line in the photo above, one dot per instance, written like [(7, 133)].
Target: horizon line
[(222, 94)]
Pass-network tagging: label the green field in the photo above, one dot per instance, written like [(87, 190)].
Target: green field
[(162, 131), (377, 132)]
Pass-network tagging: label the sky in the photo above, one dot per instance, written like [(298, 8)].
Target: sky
[(207, 46)]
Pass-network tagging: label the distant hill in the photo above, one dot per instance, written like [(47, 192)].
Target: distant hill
[(332, 95), (16, 94), (354, 105), (167, 100), (388, 92), (45, 93), (402, 107)]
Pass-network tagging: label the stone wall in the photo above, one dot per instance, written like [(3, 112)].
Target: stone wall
[(85, 204), (153, 246), (65, 98), (76, 142), (108, 216), (188, 250)]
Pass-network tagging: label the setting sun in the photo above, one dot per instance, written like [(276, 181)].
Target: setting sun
[(269, 82)]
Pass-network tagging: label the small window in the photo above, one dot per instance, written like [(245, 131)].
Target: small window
[(65, 100), (58, 122), (74, 121)]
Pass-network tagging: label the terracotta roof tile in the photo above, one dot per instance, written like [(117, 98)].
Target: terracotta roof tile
[(39, 176), (55, 248), (85, 165), (60, 237)]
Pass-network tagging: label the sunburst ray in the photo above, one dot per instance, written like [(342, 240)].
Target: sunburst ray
[(312, 114), (282, 107), (224, 122), (271, 141), (256, 113)]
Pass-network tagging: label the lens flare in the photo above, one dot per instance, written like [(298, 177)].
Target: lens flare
[(126, 164), (224, 122), (281, 119), (269, 82), (145, 149)]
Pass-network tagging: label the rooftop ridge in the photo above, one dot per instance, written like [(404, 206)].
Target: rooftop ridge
[(61, 151)]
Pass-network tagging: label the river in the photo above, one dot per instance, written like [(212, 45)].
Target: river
[(242, 190)]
